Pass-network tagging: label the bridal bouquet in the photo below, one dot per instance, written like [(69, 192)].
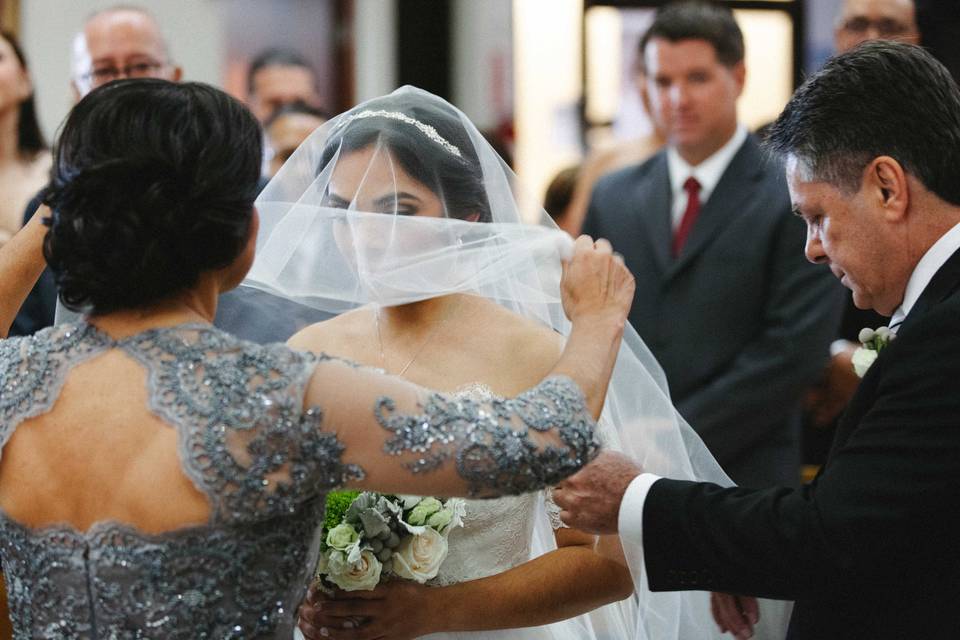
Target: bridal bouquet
[(368, 537)]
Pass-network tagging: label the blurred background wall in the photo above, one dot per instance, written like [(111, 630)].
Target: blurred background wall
[(549, 78)]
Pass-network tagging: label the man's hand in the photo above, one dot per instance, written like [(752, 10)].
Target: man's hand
[(736, 614), (590, 499)]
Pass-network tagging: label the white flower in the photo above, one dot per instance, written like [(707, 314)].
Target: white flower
[(419, 557), (342, 537), (866, 335), (862, 359), (409, 502), (450, 517), (362, 575), (459, 508)]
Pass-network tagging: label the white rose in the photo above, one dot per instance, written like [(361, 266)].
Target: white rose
[(342, 537), (419, 557), (862, 359), (362, 575)]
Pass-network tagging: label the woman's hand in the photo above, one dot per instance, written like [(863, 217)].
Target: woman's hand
[(396, 610), (596, 283)]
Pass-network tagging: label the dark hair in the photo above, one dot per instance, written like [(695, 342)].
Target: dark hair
[(29, 137), (880, 98), (295, 108), (274, 58), (458, 179), (560, 192), (698, 20), (153, 183)]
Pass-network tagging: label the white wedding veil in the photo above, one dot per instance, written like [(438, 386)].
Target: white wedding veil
[(325, 244)]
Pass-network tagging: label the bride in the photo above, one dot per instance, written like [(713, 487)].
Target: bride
[(161, 478), (449, 291)]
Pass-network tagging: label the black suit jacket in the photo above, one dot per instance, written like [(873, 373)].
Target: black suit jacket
[(740, 321), (869, 549)]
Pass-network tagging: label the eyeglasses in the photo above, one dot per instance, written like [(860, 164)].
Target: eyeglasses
[(103, 75), (885, 27)]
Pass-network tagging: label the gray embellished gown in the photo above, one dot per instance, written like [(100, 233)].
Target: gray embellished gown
[(264, 463)]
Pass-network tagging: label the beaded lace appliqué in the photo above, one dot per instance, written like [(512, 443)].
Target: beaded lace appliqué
[(491, 440)]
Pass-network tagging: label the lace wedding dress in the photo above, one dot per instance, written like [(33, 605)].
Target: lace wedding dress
[(246, 443)]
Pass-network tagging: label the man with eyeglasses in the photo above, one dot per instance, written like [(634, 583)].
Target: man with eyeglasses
[(862, 20), (118, 42)]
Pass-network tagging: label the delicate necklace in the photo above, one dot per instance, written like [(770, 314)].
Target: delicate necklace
[(433, 332)]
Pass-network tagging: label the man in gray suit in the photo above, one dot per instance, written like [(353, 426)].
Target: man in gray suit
[(738, 319)]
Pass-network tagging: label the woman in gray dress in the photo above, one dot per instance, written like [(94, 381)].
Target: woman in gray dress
[(162, 479)]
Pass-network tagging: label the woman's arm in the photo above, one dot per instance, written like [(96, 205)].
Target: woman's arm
[(21, 263), (569, 581), (441, 445)]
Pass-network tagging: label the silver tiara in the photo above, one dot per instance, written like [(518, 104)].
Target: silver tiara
[(425, 129)]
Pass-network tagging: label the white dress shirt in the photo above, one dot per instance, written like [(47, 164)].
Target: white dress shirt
[(935, 257), (630, 519), (707, 173)]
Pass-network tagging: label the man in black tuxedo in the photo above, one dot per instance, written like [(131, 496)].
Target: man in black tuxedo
[(869, 549), (724, 298)]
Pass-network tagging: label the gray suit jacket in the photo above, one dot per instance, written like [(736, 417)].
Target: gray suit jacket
[(740, 321)]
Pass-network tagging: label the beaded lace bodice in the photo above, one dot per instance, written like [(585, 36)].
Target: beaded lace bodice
[(263, 462), (497, 534)]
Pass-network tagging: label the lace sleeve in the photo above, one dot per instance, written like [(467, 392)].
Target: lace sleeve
[(413, 441), (608, 438)]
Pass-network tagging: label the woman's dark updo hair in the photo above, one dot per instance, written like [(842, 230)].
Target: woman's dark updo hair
[(457, 180), (153, 183), (30, 139)]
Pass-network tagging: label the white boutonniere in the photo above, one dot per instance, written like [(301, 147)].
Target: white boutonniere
[(873, 341)]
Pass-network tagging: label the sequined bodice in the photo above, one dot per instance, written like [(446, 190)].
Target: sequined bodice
[(264, 464), (243, 574)]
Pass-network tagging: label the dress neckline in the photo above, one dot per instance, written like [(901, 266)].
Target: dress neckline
[(85, 325)]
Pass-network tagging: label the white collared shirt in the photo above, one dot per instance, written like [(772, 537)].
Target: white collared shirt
[(707, 173), (935, 257), (630, 520)]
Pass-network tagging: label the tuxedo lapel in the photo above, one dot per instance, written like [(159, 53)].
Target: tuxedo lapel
[(729, 198), (652, 207), (945, 282)]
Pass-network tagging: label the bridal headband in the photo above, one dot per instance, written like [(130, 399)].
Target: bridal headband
[(425, 129)]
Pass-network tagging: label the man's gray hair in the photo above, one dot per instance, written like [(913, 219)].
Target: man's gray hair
[(80, 54)]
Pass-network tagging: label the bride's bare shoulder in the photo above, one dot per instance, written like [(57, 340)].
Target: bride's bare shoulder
[(331, 335), (522, 338)]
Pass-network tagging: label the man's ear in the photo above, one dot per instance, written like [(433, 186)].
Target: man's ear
[(886, 183), (739, 72)]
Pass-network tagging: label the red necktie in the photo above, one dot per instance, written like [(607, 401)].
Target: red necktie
[(692, 187)]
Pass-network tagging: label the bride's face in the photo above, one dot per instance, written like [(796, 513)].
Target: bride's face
[(382, 248), (371, 180)]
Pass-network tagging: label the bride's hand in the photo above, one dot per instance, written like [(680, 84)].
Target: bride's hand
[(596, 283), (397, 610)]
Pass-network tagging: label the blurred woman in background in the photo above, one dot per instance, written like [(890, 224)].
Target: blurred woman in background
[(24, 163)]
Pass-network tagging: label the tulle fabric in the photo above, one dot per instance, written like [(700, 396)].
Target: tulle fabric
[(324, 243)]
